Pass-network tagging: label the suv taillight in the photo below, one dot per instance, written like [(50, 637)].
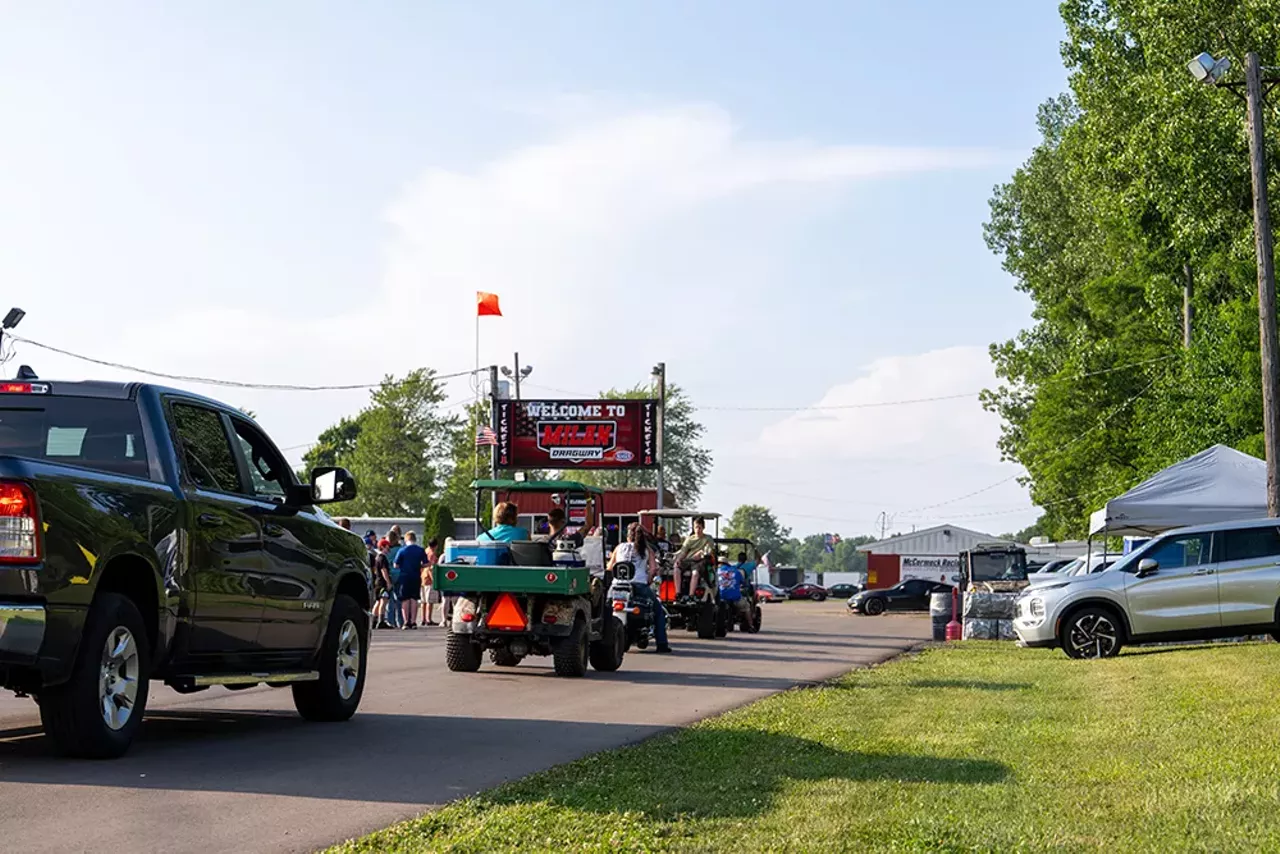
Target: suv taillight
[(19, 524)]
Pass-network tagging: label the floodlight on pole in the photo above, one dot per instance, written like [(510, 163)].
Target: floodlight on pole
[(1208, 70)]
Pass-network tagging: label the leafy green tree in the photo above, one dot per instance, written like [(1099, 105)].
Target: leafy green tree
[(758, 524), (398, 447), (686, 461), (438, 522), (1141, 179)]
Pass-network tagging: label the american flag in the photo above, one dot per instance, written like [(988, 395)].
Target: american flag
[(485, 436)]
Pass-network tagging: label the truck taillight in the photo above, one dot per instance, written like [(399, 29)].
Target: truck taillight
[(19, 524)]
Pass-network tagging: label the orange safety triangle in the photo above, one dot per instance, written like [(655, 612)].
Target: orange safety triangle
[(506, 613)]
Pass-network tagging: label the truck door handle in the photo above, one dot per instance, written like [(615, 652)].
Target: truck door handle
[(1204, 572), (273, 530), (210, 520)]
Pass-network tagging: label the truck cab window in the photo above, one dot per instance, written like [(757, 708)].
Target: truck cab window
[(267, 469), (206, 453)]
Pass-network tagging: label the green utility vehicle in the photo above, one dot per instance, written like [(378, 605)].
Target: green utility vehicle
[(533, 596)]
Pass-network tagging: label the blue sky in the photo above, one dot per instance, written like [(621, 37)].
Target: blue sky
[(311, 193)]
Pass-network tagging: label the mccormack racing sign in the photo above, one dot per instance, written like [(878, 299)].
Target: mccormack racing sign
[(566, 434)]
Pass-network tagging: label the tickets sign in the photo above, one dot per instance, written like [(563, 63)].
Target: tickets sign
[(569, 434)]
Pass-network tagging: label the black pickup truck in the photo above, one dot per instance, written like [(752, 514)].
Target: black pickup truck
[(149, 534)]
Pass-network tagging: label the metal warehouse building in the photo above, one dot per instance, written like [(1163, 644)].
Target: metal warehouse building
[(934, 553)]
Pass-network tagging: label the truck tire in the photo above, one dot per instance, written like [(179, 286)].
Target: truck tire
[(343, 663), (461, 655), (113, 662), (607, 653), (570, 654), (504, 657), (707, 621)]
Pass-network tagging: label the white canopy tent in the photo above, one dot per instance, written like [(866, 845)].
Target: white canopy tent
[(1216, 485)]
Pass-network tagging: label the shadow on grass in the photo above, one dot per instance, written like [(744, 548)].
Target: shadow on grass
[(969, 684), (1188, 647), (734, 774)]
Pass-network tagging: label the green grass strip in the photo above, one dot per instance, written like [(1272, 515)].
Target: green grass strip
[(971, 747)]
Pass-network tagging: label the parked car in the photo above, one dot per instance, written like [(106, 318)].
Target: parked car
[(910, 595), (151, 535), (770, 593), (816, 592), (1202, 582), (1075, 569), (844, 591)]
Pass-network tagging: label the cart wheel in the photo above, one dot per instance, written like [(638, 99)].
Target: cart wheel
[(707, 621)]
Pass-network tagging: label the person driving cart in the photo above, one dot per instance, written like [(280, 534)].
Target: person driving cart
[(636, 551), (697, 549), (558, 529)]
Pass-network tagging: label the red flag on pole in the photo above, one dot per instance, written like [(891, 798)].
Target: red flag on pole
[(487, 305)]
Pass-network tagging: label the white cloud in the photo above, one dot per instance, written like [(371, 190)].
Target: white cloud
[(868, 429), (836, 469)]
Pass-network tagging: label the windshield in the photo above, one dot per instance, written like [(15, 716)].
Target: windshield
[(997, 566), (100, 434)]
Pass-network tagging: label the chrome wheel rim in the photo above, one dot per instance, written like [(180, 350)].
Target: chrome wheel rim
[(1093, 636), (118, 678), (348, 659)]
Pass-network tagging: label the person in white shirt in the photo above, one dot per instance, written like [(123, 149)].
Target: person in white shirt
[(636, 552)]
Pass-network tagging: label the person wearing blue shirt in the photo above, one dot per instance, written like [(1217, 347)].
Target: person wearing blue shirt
[(505, 529), (409, 561), (731, 580)]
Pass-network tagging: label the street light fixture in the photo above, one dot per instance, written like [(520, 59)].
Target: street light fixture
[(1210, 71)]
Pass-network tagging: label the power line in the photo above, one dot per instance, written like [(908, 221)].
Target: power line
[(1102, 422), (216, 382)]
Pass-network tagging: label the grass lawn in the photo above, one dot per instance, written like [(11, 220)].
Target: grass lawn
[(974, 746)]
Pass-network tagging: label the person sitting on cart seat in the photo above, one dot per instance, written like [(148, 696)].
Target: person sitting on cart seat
[(732, 579), (636, 552), (505, 529), (698, 547), (559, 525)]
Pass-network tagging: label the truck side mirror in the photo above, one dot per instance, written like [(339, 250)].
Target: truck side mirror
[(331, 484), (1147, 567)]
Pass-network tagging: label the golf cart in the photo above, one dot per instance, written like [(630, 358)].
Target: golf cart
[(532, 597), (699, 611), (729, 548)]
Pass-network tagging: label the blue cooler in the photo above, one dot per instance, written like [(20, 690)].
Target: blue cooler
[(476, 553)]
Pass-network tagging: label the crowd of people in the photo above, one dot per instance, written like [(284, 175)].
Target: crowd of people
[(403, 579)]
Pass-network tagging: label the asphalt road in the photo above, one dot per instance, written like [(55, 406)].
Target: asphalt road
[(239, 771)]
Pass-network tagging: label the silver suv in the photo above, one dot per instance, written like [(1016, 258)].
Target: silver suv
[(1197, 583)]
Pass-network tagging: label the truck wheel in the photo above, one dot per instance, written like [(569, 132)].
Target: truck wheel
[(707, 621), (606, 653), (97, 712), (504, 657), (461, 654), (335, 696), (570, 654)]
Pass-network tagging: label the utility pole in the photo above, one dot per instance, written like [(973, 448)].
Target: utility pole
[(1188, 311), (517, 376), (1266, 281), (660, 372)]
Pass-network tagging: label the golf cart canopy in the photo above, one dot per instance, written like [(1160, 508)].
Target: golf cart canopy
[(676, 513), (536, 486)]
